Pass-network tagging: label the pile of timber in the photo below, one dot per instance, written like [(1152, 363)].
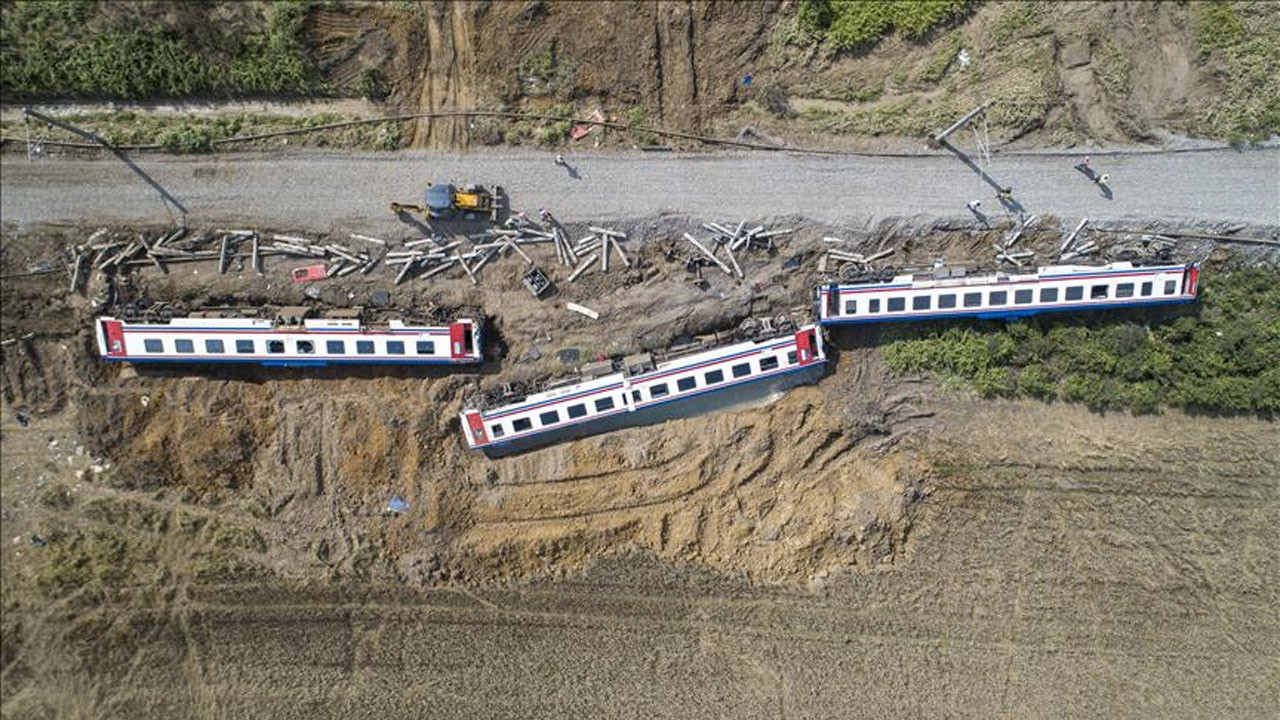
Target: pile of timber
[(1005, 252), (848, 263), (1073, 248), (731, 242)]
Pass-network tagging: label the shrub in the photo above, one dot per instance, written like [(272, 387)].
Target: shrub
[(140, 50), (373, 85), (186, 138), (992, 382), (554, 133), (1219, 355), (637, 120), (1036, 381), (855, 25), (1083, 388)]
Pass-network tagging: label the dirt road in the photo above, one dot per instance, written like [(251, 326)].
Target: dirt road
[(329, 192)]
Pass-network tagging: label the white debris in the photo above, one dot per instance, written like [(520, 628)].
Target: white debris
[(582, 310)]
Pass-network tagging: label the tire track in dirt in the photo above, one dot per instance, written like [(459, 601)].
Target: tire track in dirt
[(448, 67)]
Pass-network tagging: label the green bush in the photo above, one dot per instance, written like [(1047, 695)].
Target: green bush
[(554, 133), (992, 382), (637, 120), (1220, 355), (855, 24), (186, 138), (1036, 381), (373, 85), (146, 50)]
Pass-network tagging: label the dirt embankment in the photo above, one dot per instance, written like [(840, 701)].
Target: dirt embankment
[(309, 462), (815, 482), (1061, 74), (178, 527)]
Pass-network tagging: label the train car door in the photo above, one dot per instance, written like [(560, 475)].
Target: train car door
[(805, 347), (460, 345), (833, 301), (111, 329), (475, 424), (1190, 280)]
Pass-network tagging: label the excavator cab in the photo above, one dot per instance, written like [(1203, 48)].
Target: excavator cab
[(439, 201)]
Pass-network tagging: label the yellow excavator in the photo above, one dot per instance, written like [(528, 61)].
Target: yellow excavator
[(446, 201)]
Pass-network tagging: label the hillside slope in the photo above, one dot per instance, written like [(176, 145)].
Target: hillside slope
[(855, 75)]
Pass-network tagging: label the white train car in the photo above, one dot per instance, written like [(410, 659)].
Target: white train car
[(635, 391), (948, 293), (288, 340)]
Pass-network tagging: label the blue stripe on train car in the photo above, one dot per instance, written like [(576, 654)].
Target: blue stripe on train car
[(287, 363), (1011, 314)]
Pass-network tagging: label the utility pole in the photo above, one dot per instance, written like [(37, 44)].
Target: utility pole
[(28, 112), (962, 121)]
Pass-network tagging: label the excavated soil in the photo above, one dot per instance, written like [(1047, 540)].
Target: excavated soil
[(1104, 72), (216, 543)]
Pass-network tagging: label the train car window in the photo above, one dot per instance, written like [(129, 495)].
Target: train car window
[(972, 299), (306, 347), (1098, 292), (550, 417), (657, 391), (1124, 290), (426, 347), (897, 304), (521, 424), (1075, 292), (364, 347), (850, 307), (687, 383), (946, 301), (873, 306), (1146, 289), (741, 370), (998, 297), (184, 346), (792, 358), (395, 347), (335, 347), (768, 363), (577, 411), (921, 302), (153, 346), (1170, 287), (1022, 297), (496, 431), (214, 347), (635, 396), (1048, 294), (275, 347), (714, 377), (604, 403), (244, 347)]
